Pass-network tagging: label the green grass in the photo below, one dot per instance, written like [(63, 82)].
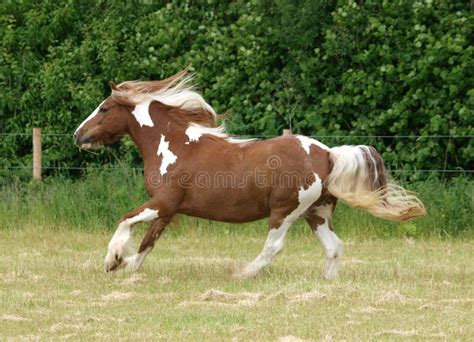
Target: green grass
[(52, 286)]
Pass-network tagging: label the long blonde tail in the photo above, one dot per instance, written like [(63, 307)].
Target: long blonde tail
[(359, 178)]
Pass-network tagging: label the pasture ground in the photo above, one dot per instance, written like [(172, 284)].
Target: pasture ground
[(52, 286)]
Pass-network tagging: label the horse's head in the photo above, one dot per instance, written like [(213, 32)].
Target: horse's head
[(130, 100), (106, 124)]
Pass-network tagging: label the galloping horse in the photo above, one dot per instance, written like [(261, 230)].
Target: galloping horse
[(192, 167)]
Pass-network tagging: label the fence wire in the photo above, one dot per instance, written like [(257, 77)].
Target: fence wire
[(29, 167), (454, 136), (312, 136)]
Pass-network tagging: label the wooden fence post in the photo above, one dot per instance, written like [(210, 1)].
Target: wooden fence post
[(37, 153), (287, 132)]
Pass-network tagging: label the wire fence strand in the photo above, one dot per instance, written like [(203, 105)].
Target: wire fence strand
[(454, 136), (27, 167), (312, 136)]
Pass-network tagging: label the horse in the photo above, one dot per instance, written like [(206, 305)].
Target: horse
[(193, 167)]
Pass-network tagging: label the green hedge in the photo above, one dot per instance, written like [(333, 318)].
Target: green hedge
[(341, 68)]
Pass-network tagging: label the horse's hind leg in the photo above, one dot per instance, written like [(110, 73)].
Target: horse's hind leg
[(274, 244), (320, 219)]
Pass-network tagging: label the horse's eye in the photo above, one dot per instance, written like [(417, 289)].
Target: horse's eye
[(103, 110)]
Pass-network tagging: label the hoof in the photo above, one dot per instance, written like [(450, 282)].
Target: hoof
[(329, 276), (114, 259), (330, 272), (131, 264), (246, 273), (109, 267)]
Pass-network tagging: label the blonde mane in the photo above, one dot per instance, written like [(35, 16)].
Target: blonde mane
[(175, 91)]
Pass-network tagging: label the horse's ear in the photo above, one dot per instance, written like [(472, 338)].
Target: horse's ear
[(113, 86)]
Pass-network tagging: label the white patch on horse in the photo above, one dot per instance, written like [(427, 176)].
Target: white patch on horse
[(306, 198), (142, 114), (121, 242), (307, 142), (144, 216), (333, 246), (93, 114), (168, 156), (276, 237), (195, 131), (122, 235)]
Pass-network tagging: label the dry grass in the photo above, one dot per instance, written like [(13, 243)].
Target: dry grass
[(52, 285)]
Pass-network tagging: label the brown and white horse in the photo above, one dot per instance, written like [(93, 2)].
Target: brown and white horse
[(193, 167)]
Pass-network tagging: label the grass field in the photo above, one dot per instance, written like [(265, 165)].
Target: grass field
[(53, 286)]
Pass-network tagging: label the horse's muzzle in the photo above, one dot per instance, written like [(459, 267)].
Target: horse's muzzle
[(82, 139)]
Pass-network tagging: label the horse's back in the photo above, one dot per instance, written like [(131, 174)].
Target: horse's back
[(289, 154)]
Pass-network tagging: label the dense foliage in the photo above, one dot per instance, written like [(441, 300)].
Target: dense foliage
[(340, 68)]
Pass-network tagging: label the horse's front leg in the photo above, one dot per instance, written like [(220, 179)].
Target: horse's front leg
[(133, 263), (121, 242)]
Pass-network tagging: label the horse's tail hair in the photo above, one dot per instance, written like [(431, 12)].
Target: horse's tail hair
[(359, 178)]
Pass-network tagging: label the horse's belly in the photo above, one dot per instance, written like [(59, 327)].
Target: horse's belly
[(225, 207), (226, 218)]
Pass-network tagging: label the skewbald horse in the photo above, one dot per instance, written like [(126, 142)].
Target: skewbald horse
[(192, 167)]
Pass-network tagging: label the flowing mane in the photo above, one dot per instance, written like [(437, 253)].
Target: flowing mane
[(188, 107), (175, 91)]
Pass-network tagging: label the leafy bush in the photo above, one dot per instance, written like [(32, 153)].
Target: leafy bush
[(325, 67), (395, 68)]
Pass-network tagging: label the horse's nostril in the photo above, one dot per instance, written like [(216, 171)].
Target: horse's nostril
[(83, 139)]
